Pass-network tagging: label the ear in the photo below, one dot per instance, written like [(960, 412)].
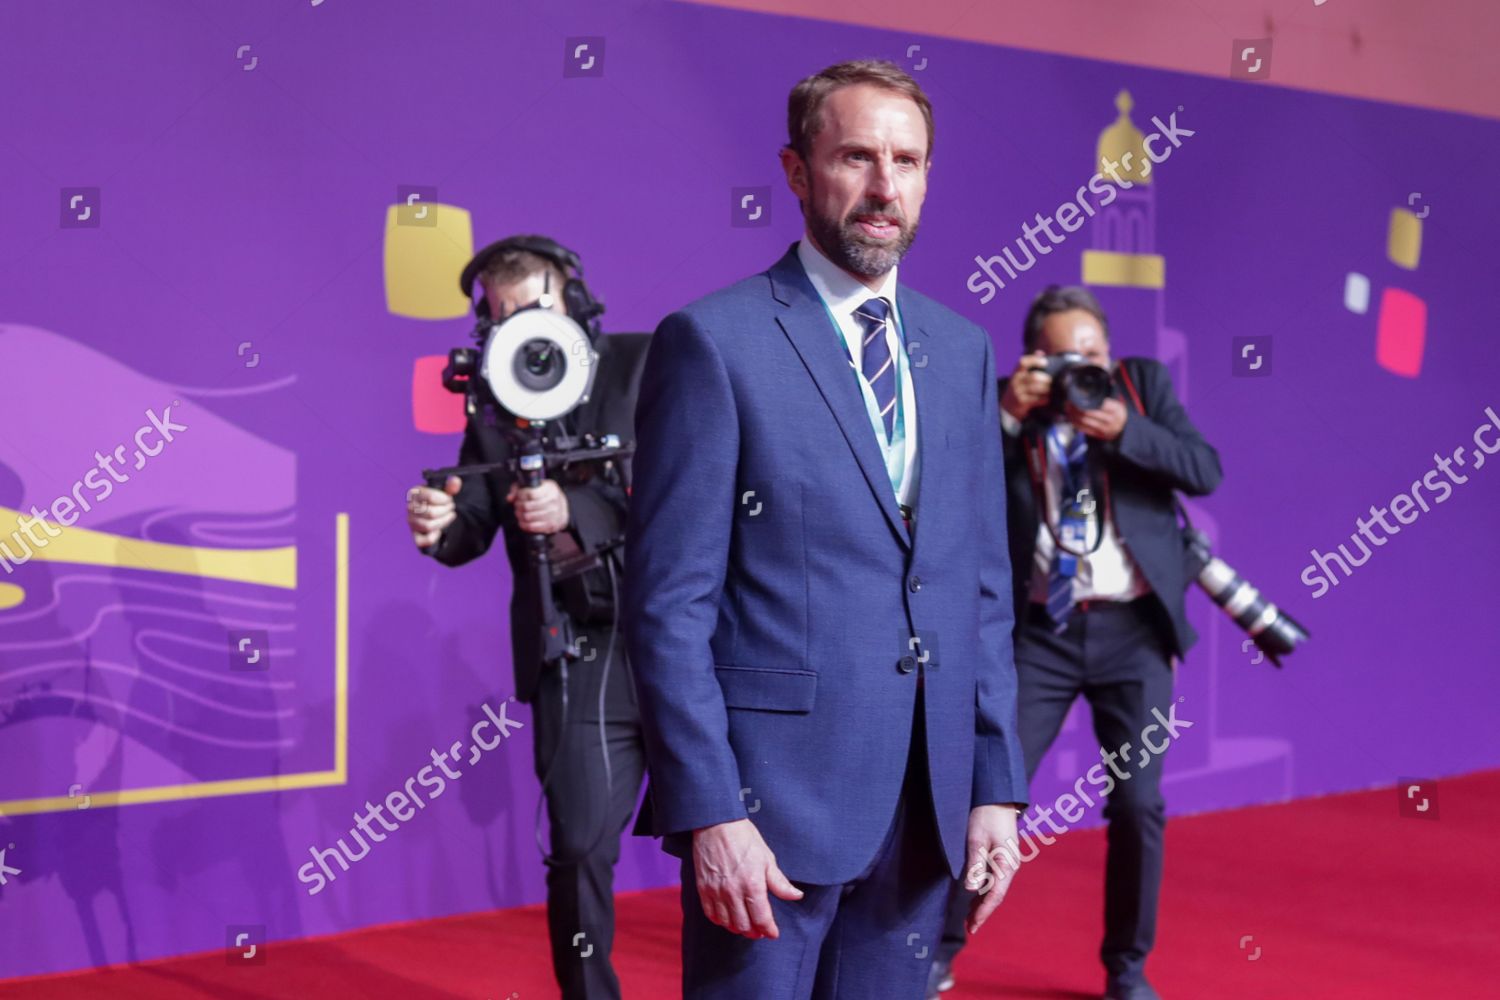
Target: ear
[(796, 172)]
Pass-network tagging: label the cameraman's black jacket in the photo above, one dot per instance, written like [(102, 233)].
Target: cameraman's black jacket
[(1158, 452), (597, 507)]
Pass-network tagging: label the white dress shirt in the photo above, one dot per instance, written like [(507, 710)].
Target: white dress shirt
[(842, 294), (1108, 573)]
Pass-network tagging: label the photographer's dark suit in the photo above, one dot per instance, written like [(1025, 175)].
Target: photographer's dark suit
[(586, 812), (1116, 654)]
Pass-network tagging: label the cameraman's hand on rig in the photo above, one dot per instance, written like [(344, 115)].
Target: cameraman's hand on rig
[(429, 511), (542, 511)]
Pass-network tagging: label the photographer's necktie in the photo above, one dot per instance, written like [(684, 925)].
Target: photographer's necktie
[(1072, 524), (876, 363)]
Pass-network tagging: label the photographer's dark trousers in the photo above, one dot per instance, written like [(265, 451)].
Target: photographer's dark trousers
[(1114, 655), (586, 814)]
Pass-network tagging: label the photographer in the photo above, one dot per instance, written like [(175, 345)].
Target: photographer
[(1098, 560), (586, 727)]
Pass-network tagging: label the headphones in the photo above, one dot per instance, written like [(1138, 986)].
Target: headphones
[(580, 304)]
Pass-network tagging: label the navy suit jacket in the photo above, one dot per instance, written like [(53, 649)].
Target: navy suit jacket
[(773, 588)]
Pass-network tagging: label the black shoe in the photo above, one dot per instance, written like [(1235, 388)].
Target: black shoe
[(940, 979), (1130, 989)]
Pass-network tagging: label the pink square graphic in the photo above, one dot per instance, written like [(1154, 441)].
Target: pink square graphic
[(434, 410), (1401, 335)]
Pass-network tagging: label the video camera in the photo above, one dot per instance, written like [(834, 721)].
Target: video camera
[(531, 369)]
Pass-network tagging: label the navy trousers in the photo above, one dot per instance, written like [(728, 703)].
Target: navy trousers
[(874, 937), (1114, 655)]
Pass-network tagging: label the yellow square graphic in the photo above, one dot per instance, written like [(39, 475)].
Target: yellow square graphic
[(423, 259), (1403, 243)]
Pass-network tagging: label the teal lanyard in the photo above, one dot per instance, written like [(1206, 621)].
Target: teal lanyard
[(893, 452)]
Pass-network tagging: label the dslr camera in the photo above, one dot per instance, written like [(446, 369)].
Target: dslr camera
[(1075, 380)]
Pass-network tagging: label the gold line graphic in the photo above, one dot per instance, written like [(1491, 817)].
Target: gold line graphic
[(1130, 270), (271, 567), (341, 652), (243, 786)]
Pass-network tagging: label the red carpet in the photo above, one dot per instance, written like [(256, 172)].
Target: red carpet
[(1338, 897)]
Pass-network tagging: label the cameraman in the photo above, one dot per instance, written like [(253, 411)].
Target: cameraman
[(1102, 614), (587, 738)]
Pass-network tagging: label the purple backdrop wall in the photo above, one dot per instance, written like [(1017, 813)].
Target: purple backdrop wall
[(239, 205)]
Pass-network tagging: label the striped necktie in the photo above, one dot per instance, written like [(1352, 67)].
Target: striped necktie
[(876, 363), (1064, 566)]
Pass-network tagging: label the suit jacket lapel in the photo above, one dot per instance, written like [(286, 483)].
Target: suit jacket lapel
[(805, 323)]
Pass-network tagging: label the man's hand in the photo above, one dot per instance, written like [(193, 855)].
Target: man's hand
[(1027, 388), (734, 869), (541, 510), (993, 855), (429, 511), (1106, 423)]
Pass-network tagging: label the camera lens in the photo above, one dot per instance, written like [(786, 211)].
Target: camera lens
[(1273, 630), (1076, 381), (1087, 386), (540, 365), (539, 360)]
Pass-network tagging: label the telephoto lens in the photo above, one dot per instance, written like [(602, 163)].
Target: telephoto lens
[(1273, 630)]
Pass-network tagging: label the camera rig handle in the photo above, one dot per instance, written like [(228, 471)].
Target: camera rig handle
[(530, 465)]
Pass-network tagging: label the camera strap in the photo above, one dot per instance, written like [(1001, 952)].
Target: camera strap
[(1076, 502), (1135, 397), (1125, 379), (1035, 445)]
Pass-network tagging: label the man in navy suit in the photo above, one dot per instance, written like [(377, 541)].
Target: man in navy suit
[(818, 600)]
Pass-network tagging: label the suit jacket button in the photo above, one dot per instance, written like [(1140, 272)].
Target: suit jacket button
[(914, 584), (907, 664)]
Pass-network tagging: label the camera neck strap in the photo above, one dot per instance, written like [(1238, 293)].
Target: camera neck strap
[(1140, 407), (1036, 448), (1129, 383)]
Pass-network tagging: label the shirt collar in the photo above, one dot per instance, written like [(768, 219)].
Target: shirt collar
[(841, 291)]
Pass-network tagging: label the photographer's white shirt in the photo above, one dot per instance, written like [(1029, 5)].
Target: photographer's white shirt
[(1109, 573)]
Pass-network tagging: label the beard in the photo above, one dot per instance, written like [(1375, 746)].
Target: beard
[(850, 248)]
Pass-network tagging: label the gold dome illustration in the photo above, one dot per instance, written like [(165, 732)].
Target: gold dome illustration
[(1120, 139)]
